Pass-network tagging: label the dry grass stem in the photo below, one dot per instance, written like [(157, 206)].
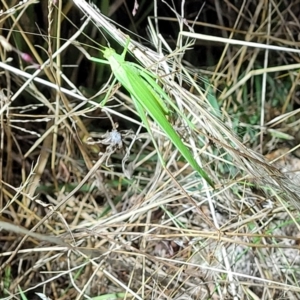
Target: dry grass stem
[(86, 208)]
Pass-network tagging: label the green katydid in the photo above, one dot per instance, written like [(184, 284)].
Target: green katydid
[(147, 96)]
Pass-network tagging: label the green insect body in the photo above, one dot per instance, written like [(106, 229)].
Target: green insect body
[(130, 77), (148, 97)]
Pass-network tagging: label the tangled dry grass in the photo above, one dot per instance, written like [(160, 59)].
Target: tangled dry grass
[(87, 210)]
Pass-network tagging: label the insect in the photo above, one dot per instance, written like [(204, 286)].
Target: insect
[(113, 139), (148, 98)]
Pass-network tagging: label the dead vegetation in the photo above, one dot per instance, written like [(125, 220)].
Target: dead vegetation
[(88, 211)]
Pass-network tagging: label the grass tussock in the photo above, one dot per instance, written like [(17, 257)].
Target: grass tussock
[(87, 210)]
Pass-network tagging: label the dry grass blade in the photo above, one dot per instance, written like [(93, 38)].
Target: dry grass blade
[(258, 167), (86, 209)]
